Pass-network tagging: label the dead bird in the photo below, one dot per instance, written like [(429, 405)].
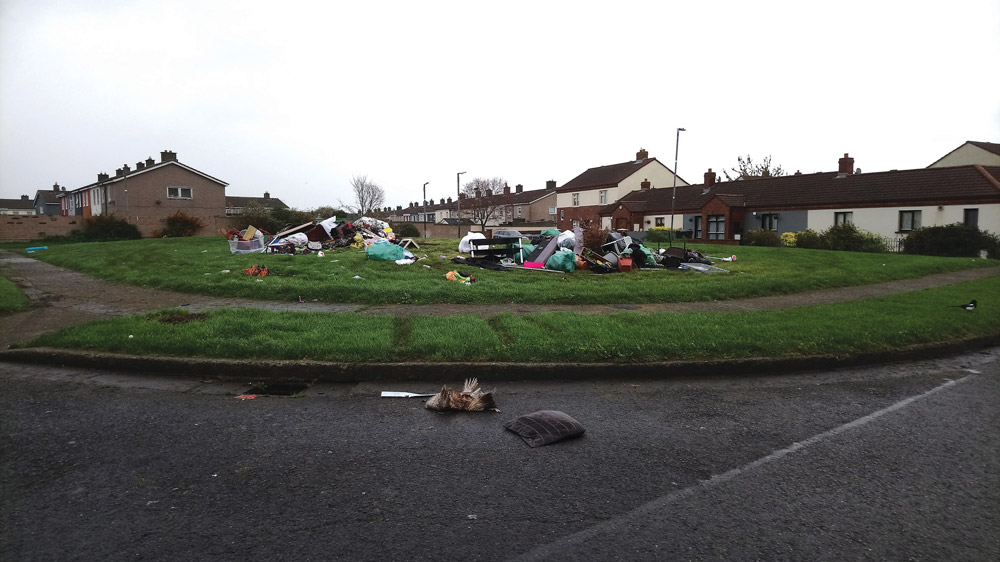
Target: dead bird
[(470, 399)]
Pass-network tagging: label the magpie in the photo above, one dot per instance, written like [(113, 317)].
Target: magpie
[(970, 307)]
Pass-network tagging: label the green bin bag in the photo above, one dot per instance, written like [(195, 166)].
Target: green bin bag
[(385, 252), (562, 261)]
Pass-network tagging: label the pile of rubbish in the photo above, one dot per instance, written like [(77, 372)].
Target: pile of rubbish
[(565, 252), (373, 235)]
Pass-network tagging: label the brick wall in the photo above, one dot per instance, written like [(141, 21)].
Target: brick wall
[(36, 227)]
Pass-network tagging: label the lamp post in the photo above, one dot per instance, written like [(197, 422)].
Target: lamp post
[(673, 192), (425, 208), (458, 188)]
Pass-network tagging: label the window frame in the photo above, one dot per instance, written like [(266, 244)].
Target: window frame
[(769, 221), (576, 199), (697, 226), (715, 221), (659, 221), (909, 216), (974, 213), (603, 196), (843, 217), (180, 192)]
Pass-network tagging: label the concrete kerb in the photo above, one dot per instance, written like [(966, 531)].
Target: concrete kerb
[(339, 372)]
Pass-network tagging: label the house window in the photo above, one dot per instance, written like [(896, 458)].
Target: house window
[(697, 226), (846, 217), (552, 210), (909, 220), (178, 193), (518, 211), (769, 221), (971, 217), (604, 196), (716, 227), (562, 214), (576, 199), (659, 221)]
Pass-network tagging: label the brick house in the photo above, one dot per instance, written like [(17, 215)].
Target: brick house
[(890, 203), (515, 208), (235, 203), (583, 197), (151, 192)]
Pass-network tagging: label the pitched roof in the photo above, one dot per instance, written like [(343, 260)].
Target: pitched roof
[(955, 185), (47, 196), (147, 169), (269, 202), (606, 176), (18, 203), (991, 147)]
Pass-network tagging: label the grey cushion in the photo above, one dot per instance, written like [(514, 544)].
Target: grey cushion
[(544, 427)]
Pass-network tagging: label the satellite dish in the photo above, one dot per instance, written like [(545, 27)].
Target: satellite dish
[(858, 171)]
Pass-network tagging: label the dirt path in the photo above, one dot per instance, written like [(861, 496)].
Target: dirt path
[(64, 297)]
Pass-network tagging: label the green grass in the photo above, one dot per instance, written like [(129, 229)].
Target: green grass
[(863, 326), (196, 265), (11, 298)]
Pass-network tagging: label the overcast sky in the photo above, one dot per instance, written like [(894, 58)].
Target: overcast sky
[(295, 98)]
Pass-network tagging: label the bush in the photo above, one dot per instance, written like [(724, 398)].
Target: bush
[(844, 237), (809, 239), (179, 224), (269, 220), (788, 239), (101, 228), (952, 240), (761, 237), (406, 230)]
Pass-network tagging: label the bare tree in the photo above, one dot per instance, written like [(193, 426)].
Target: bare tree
[(748, 170), (368, 196), (483, 201)]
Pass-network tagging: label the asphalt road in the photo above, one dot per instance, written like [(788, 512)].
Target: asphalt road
[(898, 462)]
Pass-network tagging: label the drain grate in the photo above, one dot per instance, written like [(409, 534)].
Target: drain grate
[(277, 388)]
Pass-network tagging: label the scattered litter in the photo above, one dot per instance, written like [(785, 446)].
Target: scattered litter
[(246, 396), (32, 249), (544, 427), (470, 399), (257, 271), (455, 275), (224, 271), (356, 277), (730, 258), (394, 394), (427, 266), (130, 336), (703, 268), (405, 262)]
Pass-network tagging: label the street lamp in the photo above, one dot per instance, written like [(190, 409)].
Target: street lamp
[(458, 188), (425, 208), (673, 194)]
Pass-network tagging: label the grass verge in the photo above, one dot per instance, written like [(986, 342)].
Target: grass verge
[(205, 266), (11, 298), (872, 325)]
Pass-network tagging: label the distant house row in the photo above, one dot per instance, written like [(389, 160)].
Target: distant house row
[(636, 195), (144, 195), (961, 187)]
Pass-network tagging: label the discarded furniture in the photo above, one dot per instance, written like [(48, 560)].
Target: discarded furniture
[(493, 248)]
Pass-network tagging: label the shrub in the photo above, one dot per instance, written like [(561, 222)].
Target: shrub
[(180, 224), (951, 240), (788, 239), (101, 228), (761, 237), (844, 237), (268, 219), (809, 239), (405, 230)]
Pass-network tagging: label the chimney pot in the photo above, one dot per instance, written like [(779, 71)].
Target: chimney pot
[(518, 188), (24, 198), (709, 178), (399, 207), (645, 184), (55, 186), (846, 165)]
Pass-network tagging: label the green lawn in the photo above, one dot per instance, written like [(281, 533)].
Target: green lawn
[(11, 297), (197, 265), (864, 326)]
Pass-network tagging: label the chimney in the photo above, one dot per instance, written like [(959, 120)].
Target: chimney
[(478, 193), (449, 200), (518, 188), (55, 186), (267, 195), (139, 166), (709, 178), (642, 154), (798, 173), (442, 200), (506, 189), (551, 184), (24, 198), (150, 162), (645, 185), (461, 196), (101, 176), (118, 173), (126, 169), (846, 165), (399, 207), (168, 156)]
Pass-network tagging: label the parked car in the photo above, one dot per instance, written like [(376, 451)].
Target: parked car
[(502, 233)]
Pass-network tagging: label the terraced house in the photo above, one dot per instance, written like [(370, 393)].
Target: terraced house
[(890, 204)]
